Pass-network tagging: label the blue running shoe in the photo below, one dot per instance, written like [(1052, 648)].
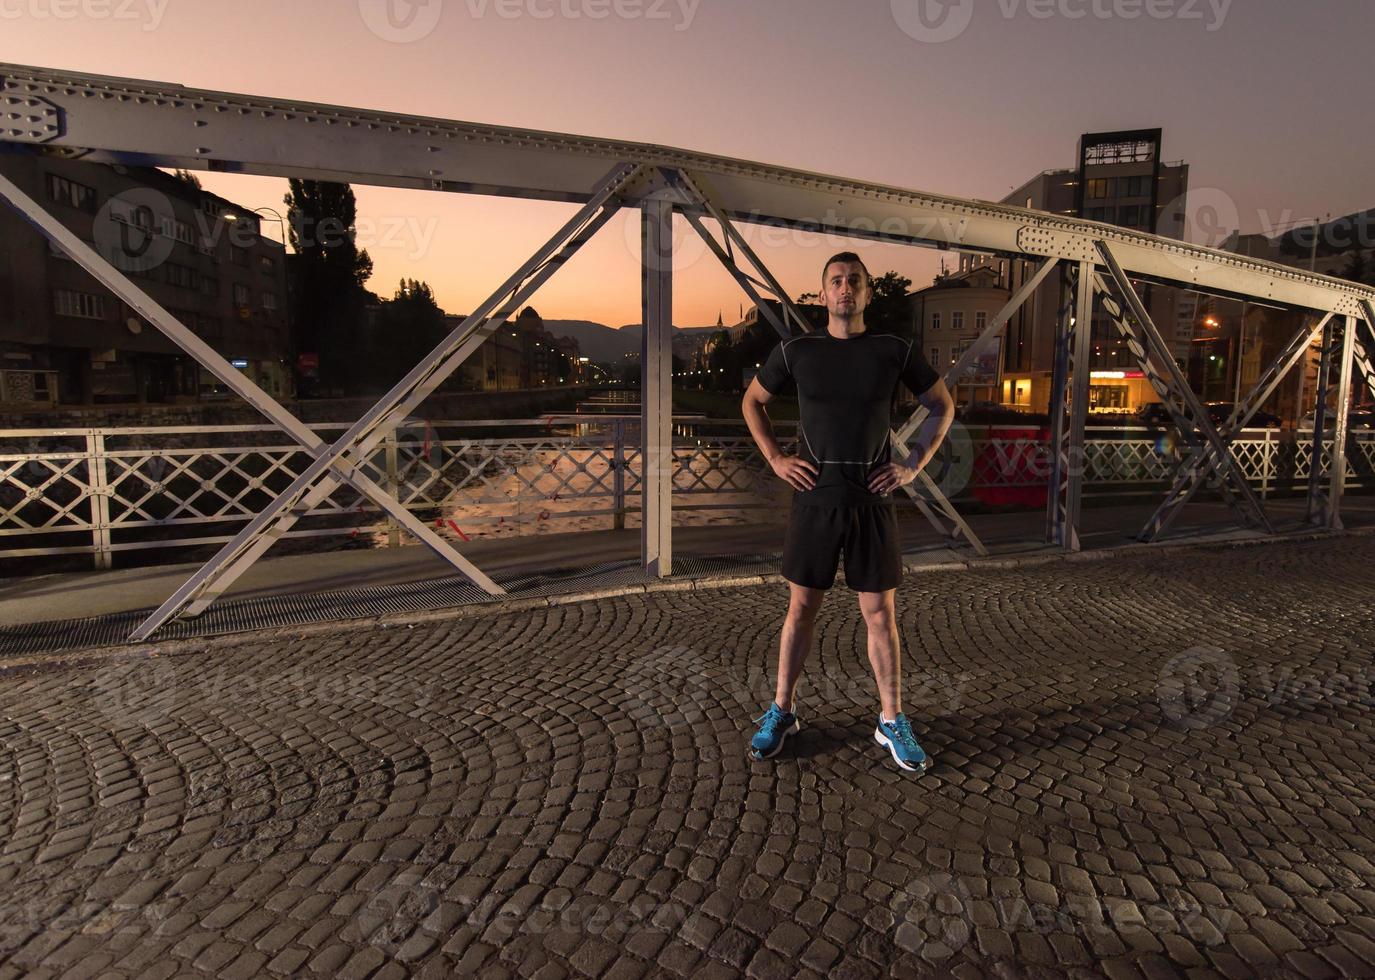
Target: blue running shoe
[(775, 725), (898, 739)]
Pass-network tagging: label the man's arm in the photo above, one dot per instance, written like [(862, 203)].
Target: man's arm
[(925, 442), (799, 473), (931, 433)]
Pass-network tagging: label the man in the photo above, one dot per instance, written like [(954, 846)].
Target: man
[(844, 476)]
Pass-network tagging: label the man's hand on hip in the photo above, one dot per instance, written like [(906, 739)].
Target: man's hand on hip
[(890, 476), (799, 473)]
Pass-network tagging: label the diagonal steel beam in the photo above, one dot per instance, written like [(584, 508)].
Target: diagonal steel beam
[(1250, 506), (697, 192), (414, 387), (1188, 479), (699, 195), (119, 284), (984, 340)]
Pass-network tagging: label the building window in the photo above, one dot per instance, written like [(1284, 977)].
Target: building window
[(935, 356), (187, 318), (88, 306), (935, 321), (980, 321), (1098, 188), (267, 265), (238, 256), (241, 295), (269, 301), (183, 233), (72, 194), (957, 320), (182, 276)]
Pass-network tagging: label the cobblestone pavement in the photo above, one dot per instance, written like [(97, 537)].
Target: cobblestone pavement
[(1157, 766)]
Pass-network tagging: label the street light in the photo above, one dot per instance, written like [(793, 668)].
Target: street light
[(281, 222)]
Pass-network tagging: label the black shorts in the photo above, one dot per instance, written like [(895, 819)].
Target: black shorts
[(866, 534)]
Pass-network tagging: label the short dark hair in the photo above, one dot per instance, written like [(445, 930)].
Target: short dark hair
[(845, 257)]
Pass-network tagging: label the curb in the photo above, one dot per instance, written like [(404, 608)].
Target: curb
[(500, 607)]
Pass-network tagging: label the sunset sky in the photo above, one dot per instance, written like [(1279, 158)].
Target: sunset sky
[(1267, 100)]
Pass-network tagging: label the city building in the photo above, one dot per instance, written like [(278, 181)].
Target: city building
[(1120, 179), (571, 349), (948, 316), (65, 338), (494, 366), (1336, 247)]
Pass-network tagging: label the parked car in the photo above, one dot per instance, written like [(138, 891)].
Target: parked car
[(1219, 413), (1360, 418), (1153, 413)]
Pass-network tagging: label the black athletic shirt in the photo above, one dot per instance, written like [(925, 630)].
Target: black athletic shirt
[(845, 389)]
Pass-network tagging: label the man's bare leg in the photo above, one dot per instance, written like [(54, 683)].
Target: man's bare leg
[(796, 641), (884, 652)]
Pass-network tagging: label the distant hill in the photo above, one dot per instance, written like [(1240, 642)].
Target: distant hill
[(609, 345)]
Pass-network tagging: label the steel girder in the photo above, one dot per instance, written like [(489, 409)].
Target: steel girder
[(1069, 413), (140, 122), (656, 389), (1324, 502)]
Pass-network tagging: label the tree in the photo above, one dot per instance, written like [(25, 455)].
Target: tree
[(889, 310), (1359, 268), (329, 274), (404, 330), (188, 177)]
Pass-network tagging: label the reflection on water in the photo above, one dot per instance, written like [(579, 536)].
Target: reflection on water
[(566, 479)]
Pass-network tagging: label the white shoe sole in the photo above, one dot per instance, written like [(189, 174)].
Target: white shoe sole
[(887, 743), (791, 730)]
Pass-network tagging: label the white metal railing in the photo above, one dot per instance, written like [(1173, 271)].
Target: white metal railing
[(99, 491)]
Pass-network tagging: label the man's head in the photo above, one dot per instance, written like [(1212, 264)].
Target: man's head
[(845, 286)]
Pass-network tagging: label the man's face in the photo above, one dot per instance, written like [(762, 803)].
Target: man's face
[(845, 289)]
